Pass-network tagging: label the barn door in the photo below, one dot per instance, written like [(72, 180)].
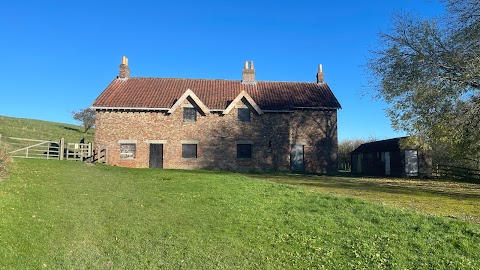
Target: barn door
[(387, 163), (156, 156), (411, 162), (297, 158)]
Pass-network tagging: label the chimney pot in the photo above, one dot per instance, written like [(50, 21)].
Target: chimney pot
[(248, 73), (124, 69), (320, 75)]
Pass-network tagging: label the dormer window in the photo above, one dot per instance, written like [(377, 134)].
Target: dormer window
[(244, 115), (189, 115)]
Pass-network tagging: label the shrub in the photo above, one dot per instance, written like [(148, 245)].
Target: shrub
[(5, 160)]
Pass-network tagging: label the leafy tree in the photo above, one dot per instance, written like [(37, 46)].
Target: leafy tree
[(85, 117), (428, 70)]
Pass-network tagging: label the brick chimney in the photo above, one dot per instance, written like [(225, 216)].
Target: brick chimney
[(320, 75), (248, 73), (124, 69)]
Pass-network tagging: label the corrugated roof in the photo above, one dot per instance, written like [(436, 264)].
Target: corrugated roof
[(215, 94)]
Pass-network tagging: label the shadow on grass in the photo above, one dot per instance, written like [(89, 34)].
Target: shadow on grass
[(411, 187), (72, 129), (394, 189)]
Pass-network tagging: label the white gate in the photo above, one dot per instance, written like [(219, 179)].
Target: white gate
[(42, 149), (28, 148), (78, 151)]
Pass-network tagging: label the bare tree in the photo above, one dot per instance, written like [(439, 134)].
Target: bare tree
[(85, 117), (345, 147)]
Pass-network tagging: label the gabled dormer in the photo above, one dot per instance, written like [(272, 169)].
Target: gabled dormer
[(190, 96), (245, 99)]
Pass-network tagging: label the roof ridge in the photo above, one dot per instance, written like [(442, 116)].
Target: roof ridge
[(207, 79), (174, 78)]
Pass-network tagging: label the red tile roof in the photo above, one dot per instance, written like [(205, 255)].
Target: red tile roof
[(215, 94)]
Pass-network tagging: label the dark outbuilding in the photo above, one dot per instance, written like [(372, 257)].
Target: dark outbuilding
[(392, 157)]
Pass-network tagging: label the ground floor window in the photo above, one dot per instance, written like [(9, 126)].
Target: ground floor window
[(128, 150), (244, 150), (189, 151)]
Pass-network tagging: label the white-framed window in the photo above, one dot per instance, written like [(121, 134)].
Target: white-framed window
[(128, 150)]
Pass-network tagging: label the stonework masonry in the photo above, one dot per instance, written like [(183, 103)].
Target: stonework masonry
[(271, 135)]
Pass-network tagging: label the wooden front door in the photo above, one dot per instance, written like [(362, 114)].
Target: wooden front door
[(297, 158), (156, 156)]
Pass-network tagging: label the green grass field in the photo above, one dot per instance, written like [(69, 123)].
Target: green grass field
[(42, 130), (68, 215), (429, 196)]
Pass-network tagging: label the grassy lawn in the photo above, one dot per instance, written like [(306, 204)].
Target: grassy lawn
[(42, 130), (68, 215), (438, 197)]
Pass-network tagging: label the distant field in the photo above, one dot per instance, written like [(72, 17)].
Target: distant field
[(42, 130), (68, 215)]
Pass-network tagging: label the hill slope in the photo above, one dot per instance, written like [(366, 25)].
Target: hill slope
[(42, 130)]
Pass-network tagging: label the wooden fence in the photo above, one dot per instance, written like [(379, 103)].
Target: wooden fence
[(99, 155), (42, 149), (457, 173)]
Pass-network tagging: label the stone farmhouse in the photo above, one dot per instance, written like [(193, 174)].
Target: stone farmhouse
[(218, 124)]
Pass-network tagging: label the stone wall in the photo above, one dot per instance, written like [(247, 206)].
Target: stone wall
[(270, 134)]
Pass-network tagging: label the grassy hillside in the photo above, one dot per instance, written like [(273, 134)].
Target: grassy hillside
[(42, 130), (68, 215)]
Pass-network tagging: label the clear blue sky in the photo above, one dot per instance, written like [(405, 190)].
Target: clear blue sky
[(58, 56)]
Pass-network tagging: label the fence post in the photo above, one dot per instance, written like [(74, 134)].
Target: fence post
[(62, 146), (81, 147), (90, 150)]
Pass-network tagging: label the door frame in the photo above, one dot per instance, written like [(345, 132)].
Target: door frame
[(150, 155), (292, 167)]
